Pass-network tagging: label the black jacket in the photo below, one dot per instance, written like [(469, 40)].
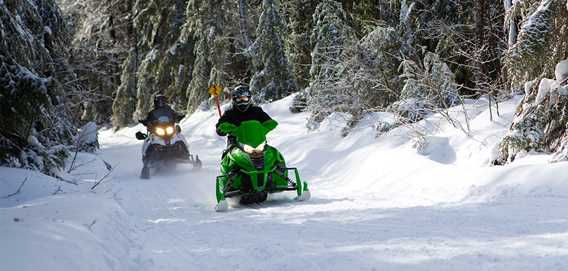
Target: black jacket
[(155, 114), (234, 116)]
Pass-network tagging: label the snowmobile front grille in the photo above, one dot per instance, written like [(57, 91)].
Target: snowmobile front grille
[(258, 162)]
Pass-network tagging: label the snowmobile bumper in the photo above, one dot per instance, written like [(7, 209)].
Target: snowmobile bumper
[(261, 181)]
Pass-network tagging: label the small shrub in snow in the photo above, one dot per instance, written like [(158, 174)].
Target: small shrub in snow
[(300, 102), (427, 86)]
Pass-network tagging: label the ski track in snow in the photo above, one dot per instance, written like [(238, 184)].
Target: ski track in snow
[(377, 204)]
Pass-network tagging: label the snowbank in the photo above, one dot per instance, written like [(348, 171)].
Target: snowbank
[(413, 197), (50, 224)]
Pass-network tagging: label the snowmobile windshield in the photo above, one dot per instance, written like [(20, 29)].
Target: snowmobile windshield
[(251, 133), (164, 120)]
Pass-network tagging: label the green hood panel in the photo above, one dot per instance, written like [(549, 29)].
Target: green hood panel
[(251, 133)]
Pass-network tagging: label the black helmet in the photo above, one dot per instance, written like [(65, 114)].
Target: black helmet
[(160, 101), (242, 98)]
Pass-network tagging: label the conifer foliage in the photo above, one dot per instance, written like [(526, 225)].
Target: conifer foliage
[(330, 38), (36, 127), (273, 77), (104, 61)]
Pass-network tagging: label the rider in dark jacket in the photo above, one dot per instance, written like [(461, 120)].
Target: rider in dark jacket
[(242, 110), (161, 109)]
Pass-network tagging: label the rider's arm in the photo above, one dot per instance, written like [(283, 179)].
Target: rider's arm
[(219, 126), (146, 120), (266, 120), (178, 116)]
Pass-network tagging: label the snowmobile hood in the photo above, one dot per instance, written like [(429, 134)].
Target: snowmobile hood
[(251, 133)]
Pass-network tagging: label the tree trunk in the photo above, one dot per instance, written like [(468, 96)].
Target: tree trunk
[(347, 5), (512, 37), (243, 22)]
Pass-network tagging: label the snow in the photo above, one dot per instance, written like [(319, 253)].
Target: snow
[(561, 71), (529, 85), (33, 141), (25, 74), (399, 201), (152, 56), (173, 50), (544, 88), (47, 30), (534, 20), (87, 134)]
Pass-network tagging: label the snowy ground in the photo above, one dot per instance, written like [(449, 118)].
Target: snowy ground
[(392, 202)]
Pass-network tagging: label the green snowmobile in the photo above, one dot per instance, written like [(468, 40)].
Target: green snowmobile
[(254, 169)]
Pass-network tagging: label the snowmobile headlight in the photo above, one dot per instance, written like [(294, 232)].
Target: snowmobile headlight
[(250, 149), (169, 130), (160, 131), (260, 147)]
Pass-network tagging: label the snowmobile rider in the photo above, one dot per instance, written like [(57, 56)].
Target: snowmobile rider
[(242, 110), (161, 108)]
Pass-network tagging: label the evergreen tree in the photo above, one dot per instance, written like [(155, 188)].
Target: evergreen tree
[(330, 37), (541, 119), (37, 127), (273, 78), (542, 40), (206, 23), (301, 25)]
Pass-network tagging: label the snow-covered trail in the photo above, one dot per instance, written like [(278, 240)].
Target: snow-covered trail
[(378, 203), (370, 209)]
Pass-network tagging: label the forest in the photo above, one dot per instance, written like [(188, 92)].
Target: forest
[(67, 63), (315, 135)]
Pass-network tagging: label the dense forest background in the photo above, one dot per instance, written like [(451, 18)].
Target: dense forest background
[(66, 63)]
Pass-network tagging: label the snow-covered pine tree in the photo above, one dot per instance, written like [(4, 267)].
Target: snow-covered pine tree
[(301, 25), (273, 78), (36, 126), (330, 37), (542, 40), (100, 31), (124, 103), (180, 47), (206, 23), (541, 119), (366, 15), (178, 50), (372, 69)]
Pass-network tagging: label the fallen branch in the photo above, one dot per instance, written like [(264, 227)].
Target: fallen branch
[(65, 180), (103, 178), (78, 165), (17, 191), (73, 161)]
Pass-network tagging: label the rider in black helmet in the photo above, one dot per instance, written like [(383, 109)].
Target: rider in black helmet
[(161, 108), (242, 110)]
